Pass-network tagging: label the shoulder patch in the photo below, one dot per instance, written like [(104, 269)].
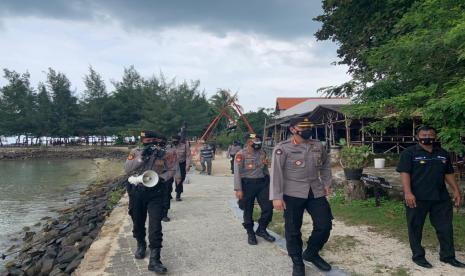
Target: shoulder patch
[(131, 156), (239, 157)]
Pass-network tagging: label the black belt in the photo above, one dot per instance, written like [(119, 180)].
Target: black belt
[(254, 180)]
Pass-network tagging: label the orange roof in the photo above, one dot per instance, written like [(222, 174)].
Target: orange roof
[(286, 103)]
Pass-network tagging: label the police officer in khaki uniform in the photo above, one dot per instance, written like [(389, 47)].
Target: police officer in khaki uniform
[(184, 158), (301, 180), (232, 151), (250, 171), (153, 156), (170, 148)]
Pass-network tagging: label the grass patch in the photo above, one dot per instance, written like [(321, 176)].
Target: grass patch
[(400, 271), (276, 225), (389, 219), (115, 197), (341, 243)]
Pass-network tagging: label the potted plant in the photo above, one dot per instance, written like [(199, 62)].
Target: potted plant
[(353, 159)]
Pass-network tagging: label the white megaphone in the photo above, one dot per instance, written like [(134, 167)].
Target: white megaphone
[(148, 179)]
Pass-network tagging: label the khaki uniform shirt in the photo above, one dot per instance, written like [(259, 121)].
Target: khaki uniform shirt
[(249, 164), (233, 150), (183, 152), (167, 167), (297, 168)]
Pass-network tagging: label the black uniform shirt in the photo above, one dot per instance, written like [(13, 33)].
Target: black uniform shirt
[(427, 171)]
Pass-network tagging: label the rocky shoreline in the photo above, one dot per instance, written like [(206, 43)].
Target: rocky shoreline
[(62, 153), (58, 247)]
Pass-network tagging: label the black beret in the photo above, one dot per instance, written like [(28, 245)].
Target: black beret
[(151, 134), (303, 122)]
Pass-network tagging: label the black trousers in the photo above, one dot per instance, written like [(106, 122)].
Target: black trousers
[(143, 200), (319, 210), (233, 157), (440, 215), (179, 187), (256, 189), (167, 189)]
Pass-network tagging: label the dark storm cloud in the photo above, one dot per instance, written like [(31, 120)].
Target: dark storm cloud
[(276, 18)]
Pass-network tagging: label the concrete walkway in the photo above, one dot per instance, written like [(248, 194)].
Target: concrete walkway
[(205, 238)]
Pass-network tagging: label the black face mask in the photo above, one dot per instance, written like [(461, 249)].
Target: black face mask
[(256, 146), (157, 149), (305, 134), (426, 141)]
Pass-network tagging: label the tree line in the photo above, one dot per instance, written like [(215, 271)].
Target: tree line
[(53, 109), (407, 59)]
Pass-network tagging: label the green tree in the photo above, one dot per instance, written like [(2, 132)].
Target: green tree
[(94, 104), (17, 105), (44, 112), (64, 104), (418, 68)]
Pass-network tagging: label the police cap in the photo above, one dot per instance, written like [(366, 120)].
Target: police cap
[(151, 134), (302, 122)]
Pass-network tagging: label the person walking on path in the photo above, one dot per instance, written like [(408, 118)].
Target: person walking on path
[(232, 151), (250, 170), (184, 158), (301, 180), (423, 170), (206, 156), (153, 156)]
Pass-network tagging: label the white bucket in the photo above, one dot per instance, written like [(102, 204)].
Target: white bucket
[(379, 163)]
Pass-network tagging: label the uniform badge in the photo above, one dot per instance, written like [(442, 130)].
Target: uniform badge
[(279, 152), (422, 162), (250, 166), (131, 156), (298, 162)]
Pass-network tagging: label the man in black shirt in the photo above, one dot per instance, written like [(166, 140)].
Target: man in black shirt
[(423, 169)]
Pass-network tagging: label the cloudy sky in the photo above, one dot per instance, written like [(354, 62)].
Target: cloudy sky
[(261, 49)]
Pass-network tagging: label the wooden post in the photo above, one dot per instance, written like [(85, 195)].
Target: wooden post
[(347, 126)]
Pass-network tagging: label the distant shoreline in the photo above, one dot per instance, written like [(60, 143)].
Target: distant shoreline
[(73, 152)]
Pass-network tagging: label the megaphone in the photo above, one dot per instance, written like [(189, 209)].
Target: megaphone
[(148, 179)]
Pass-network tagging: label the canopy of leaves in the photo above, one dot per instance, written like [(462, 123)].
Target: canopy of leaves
[(414, 66), (135, 103)]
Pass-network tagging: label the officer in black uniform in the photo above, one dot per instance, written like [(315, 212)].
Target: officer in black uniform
[(153, 156), (423, 169)]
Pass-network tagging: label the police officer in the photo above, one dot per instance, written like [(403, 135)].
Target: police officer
[(423, 169), (184, 158), (171, 149), (232, 150), (206, 156), (143, 199), (250, 170), (301, 180)]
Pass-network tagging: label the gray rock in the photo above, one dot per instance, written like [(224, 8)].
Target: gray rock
[(28, 235), (47, 264), (67, 254)]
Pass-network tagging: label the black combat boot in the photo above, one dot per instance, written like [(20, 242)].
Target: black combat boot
[(140, 251), (155, 264), (251, 239), (261, 232), (316, 260), (298, 267), (178, 197)]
